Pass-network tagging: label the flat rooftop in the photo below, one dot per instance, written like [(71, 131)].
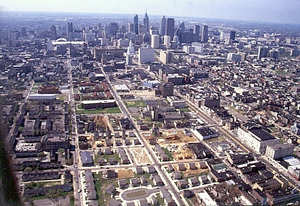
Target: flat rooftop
[(98, 101), (262, 134)]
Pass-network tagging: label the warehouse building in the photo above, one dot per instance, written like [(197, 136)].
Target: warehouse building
[(96, 104)]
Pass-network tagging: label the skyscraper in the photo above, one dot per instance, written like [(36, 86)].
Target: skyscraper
[(196, 32), (146, 22), (69, 30), (170, 27), (204, 35), (112, 28), (232, 35), (53, 32), (136, 24), (262, 52), (163, 26), (130, 27), (155, 41)]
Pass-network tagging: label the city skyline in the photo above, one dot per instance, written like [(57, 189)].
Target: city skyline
[(249, 10)]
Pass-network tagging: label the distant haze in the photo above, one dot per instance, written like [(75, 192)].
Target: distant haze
[(281, 11)]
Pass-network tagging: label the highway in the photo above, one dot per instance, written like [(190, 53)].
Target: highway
[(124, 110)]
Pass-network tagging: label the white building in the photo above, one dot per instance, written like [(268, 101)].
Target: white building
[(164, 57), (233, 57), (176, 102), (256, 138), (145, 55), (167, 41), (42, 97), (155, 41), (278, 151), (121, 88)]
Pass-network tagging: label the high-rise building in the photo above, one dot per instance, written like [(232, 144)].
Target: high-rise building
[(145, 55), (167, 41), (146, 22), (204, 35), (130, 27), (262, 52), (163, 26), (197, 30), (136, 24), (155, 41), (112, 28), (53, 32), (164, 57), (170, 27), (232, 35), (69, 30)]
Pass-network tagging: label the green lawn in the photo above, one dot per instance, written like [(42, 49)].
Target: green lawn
[(115, 156), (186, 109), (100, 184), (168, 153), (139, 103)]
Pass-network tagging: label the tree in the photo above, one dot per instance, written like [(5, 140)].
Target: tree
[(28, 169)]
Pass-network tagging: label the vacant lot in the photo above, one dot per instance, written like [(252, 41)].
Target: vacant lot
[(176, 137), (138, 103), (125, 173), (140, 155)]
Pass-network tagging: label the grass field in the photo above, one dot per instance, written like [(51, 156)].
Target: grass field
[(136, 194), (101, 184), (139, 103)]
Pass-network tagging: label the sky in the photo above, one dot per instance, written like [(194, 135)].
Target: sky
[(280, 11)]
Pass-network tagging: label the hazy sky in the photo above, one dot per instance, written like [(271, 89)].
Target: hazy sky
[(284, 11)]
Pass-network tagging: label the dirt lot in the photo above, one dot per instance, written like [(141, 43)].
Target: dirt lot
[(183, 153), (125, 173), (189, 173), (144, 94), (140, 155), (170, 137)]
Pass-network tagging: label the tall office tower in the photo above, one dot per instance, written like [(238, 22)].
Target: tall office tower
[(146, 22), (204, 35), (69, 30), (163, 26), (170, 27), (232, 35), (130, 27), (179, 32), (262, 52), (136, 24), (53, 32), (155, 41), (196, 32), (112, 28)]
